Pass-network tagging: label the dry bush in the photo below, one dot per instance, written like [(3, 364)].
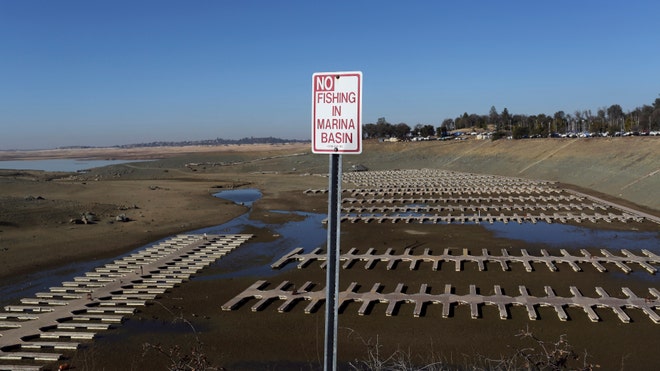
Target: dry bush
[(535, 355), (178, 358)]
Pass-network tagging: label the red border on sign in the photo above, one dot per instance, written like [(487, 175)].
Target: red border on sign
[(358, 149)]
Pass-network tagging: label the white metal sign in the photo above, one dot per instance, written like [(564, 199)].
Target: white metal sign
[(337, 112)]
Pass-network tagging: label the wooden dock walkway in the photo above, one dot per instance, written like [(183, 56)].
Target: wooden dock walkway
[(438, 196), (285, 292), (435, 196), (371, 258), (40, 328)]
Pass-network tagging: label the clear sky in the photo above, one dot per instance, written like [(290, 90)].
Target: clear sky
[(110, 72)]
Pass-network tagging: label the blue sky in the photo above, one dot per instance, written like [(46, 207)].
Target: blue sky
[(117, 72)]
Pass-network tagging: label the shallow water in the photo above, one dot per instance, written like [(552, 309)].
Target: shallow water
[(251, 258), (64, 164), (308, 232), (245, 196), (574, 237), (255, 258), (42, 281)]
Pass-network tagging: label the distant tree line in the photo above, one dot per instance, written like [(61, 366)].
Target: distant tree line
[(609, 120), (214, 142)]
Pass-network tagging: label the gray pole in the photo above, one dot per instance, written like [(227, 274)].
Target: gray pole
[(332, 273)]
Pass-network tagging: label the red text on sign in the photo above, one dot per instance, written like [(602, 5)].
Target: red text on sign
[(340, 97), (324, 83), (337, 137), (335, 124)]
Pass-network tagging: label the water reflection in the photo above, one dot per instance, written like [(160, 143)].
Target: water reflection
[(245, 196), (64, 164), (30, 284), (306, 230), (255, 258), (573, 237)]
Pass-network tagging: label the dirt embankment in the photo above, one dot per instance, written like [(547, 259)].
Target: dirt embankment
[(170, 195), (626, 168), (51, 219), (173, 195), (141, 153)]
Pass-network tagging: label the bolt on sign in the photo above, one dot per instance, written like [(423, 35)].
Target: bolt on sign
[(337, 112)]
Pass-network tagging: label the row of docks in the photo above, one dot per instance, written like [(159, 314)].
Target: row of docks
[(41, 328), (479, 218), (290, 296), (513, 192), (371, 258), (472, 207), (438, 196), (473, 190), (409, 191), (434, 178), (463, 200), (434, 196)]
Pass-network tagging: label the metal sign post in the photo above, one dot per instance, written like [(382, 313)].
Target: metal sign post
[(336, 129), (332, 266)]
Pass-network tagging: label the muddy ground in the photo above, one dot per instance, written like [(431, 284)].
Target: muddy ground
[(246, 340), (174, 195)]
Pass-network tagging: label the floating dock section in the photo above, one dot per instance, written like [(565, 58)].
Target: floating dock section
[(289, 296), (434, 196), (39, 329), (371, 258)]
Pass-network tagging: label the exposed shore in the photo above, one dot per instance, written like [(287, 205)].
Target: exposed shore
[(175, 195), (37, 218)]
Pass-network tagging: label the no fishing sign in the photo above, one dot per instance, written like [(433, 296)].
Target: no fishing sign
[(337, 112)]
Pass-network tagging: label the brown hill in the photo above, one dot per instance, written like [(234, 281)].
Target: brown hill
[(626, 168)]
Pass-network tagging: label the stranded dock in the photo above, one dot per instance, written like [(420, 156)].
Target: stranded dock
[(447, 299), (433, 196), (371, 258), (40, 328)]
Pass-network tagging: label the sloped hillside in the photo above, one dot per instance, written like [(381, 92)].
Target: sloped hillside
[(627, 168)]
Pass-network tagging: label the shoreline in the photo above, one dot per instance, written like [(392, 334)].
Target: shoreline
[(163, 198), (40, 212), (136, 153), (41, 225)]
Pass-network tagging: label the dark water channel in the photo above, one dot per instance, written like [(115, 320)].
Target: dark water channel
[(252, 258), (61, 164), (569, 236), (573, 238), (307, 231)]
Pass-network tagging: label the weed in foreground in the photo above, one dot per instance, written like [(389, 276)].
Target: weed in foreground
[(535, 355), (178, 358)]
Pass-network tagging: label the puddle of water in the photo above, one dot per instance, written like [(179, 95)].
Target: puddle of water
[(245, 196), (255, 258), (574, 237), (250, 259), (308, 232)]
